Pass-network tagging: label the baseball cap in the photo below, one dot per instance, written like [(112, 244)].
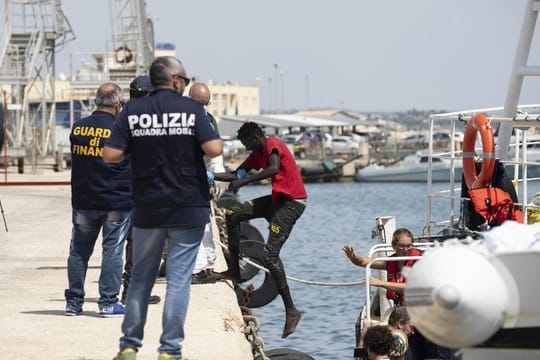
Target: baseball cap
[(140, 86)]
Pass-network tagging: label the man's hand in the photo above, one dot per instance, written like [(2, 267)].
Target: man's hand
[(235, 185), (373, 281)]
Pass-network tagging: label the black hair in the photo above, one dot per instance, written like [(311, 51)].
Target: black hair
[(249, 130), (139, 87), (398, 316), (378, 339)]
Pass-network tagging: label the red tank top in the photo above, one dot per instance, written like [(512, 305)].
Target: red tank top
[(288, 181)]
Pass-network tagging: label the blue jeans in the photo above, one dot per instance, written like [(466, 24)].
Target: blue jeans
[(86, 226), (183, 245)]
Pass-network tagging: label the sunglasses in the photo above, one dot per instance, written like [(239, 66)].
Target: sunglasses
[(186, 80), (404, 246)]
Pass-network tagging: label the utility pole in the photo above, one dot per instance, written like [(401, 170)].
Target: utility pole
[(307, 91), (270, 94), (276, 77), (282, 77)]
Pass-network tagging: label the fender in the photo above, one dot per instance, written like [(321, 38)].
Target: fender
[(250, 237), (267, 291)]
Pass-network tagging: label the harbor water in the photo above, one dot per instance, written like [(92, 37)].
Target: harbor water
[(337, 214)]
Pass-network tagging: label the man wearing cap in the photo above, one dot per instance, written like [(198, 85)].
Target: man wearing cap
[(166, 135)]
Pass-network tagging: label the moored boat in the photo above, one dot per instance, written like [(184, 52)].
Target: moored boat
[(413, 168)]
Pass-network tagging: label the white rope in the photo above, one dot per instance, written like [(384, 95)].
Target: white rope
[(304, 281)]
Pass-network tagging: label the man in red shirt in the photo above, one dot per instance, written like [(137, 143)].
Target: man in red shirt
[(281, 209)]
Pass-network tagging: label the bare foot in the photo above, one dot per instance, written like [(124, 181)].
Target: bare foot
[(291, 320), (226, 275)]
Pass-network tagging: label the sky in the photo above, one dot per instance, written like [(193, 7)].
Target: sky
[(379, 55)]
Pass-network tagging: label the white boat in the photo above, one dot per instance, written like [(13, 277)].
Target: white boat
[(413, 168), (464, 294)]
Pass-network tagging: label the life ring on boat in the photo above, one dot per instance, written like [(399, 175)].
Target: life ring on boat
[(123, 55), (251, 296), (478, 123)]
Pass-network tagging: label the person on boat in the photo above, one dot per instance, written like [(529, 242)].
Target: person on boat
[(281, 209), (399, 323), (400, 320), (378, 342), (402, 242)]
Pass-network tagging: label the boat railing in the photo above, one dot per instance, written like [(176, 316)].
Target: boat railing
[(521, 122), (368, 275)]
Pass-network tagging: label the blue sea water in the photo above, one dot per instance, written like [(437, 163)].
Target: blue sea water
[(337, 214)]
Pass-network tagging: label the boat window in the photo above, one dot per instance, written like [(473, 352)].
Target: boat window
[(425, 159)]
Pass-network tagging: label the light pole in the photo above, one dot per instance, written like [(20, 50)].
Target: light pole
[(307, 91), (270, 94), (258, 79), (282, 78), (276, 77)]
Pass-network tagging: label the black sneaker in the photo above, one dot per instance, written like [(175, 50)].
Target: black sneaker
[(153, 299), (202, 277)]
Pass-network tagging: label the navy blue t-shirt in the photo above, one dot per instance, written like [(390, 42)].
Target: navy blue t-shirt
[(163, 132), (96, 185)]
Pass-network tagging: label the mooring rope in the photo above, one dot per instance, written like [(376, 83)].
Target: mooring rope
[(303, 281)]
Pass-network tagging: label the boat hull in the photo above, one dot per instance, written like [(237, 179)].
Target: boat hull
[(390, 174)]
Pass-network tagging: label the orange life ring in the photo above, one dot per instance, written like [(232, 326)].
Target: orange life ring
[(478, 123)]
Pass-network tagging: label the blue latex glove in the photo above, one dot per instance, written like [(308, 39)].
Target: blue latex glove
[(210, 177), (241, 174)]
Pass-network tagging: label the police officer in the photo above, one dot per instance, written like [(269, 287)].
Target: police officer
[(167, 136), (101, 200)]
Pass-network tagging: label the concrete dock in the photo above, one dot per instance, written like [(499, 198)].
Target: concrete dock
[(33, 276)]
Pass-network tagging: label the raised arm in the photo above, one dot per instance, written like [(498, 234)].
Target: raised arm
[(360, 260)]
